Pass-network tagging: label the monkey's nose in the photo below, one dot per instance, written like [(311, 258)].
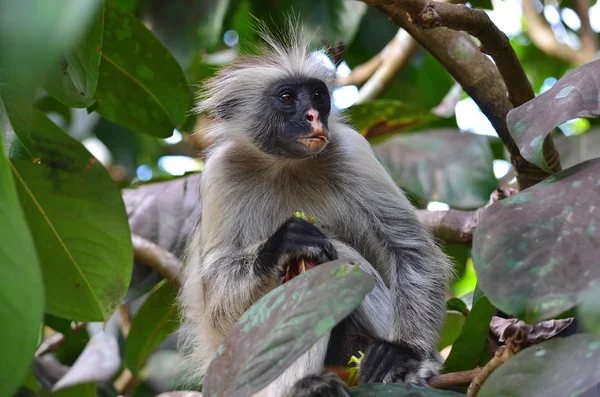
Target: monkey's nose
[(312, 116)]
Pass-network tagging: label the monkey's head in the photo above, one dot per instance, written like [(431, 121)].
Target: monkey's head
[(279, 101)]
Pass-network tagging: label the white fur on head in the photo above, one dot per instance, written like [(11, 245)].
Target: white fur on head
[(285, 54)]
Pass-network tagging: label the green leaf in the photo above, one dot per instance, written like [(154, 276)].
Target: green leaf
[(141, 86), (536, 253), (398, 390), (574, 95), (458, 305), (33, 34), (73, 79), (451, 329), (84, 390), (426, 165), (282, 325), (558, 367), (380, 119), (589, 311), (21, 289), (78, 222), (48, 104), (487, 4), (153, 323), (472, 339)]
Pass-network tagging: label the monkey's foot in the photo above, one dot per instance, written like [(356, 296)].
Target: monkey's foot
[(324, 385), (391, 363)]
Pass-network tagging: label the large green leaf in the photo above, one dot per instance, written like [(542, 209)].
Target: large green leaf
[(141, 86), (427, 165), (574, 95), (536, 252), (331, 20), (558, 367), (472, 341), (78, 222), (451, 329), (73, 79), (377, 120), (282, 325), (397, 390), (152, 324), (33, 34), (21, 289)]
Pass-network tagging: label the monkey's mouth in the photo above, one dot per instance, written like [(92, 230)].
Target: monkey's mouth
[(315, 141), (297, 267)]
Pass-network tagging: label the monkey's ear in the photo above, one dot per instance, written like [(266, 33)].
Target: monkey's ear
[(227, 109)]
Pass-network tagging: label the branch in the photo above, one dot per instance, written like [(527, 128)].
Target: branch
[(472, 69), (543, 37), (589, 42), (157, 258), (513, 345), (361, 73), (399, 52), (451, 226), (454, 379)]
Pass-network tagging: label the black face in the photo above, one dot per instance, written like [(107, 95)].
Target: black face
[(296, 118)]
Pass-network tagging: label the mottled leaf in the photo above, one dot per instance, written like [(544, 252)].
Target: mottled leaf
[(589, 311), (141, 86), (282, 325), (78, 223), (427, 165), (397, 390), (152, 324), (451, 329), (536, 252), (99, 361), (574, 95), (21, 288), (73, 79), (379, 119), (558, 367), (472, 340)]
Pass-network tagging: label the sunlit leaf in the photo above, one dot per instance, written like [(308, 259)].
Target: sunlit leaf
[(427, 164), (574, 95), (472, 340), (282, 325), (536, 252), (73, 79), (152, 324), (21, 288), (558, 367), (141, 86), (78, 223)]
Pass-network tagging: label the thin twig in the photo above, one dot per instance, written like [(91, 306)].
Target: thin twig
[(589, 41), (543, 37), (156, 257), (454, 379), (51, 344), (513, 345), (361, 73), (451, 226)]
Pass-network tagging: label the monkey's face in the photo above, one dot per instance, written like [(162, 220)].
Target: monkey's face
[(295, 123)]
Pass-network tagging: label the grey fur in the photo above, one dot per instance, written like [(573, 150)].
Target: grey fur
[(247, 194)]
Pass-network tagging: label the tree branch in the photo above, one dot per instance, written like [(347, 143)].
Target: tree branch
[(400, 51), (472, 69), (543, 37), (452, 226), (513, 345), (454, 379), (589, 42), (157, 258)]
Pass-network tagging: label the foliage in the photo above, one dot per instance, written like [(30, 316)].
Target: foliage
[(88, 87)]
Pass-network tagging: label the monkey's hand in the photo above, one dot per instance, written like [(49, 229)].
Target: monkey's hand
[(323, 385), (393, 363), (295, 239)]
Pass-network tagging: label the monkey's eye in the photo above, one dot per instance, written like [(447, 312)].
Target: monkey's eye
[(287, 97), (318, 96)]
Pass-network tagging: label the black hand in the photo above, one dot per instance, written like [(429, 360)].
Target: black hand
[(392, 363), (324, 385), (296, 238)]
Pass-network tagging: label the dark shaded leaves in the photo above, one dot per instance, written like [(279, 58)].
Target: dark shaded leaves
[(397, 390), (282, 325), (427, 165), (574, 95), (537, 251), (558, 367)]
